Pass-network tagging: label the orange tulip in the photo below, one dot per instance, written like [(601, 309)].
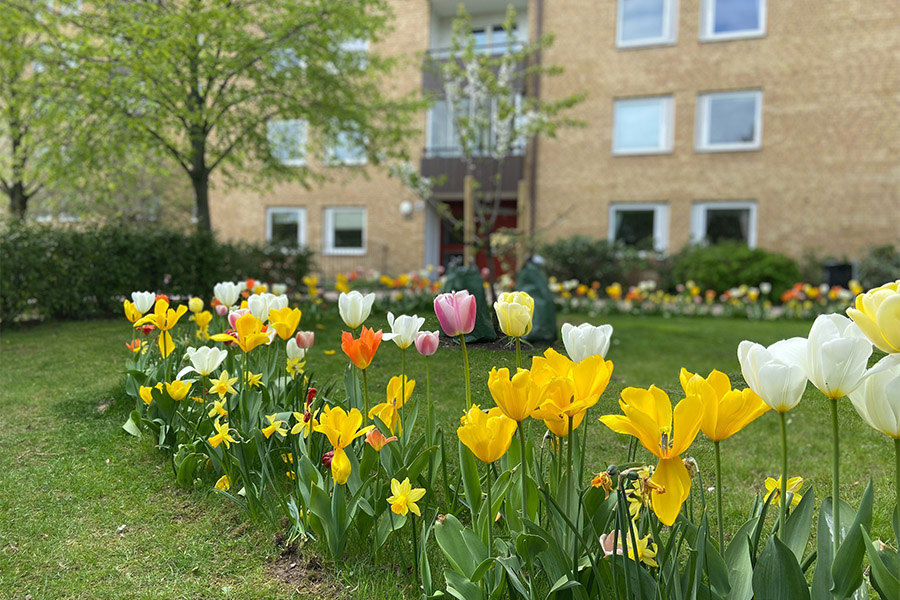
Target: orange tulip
[(361, 351)]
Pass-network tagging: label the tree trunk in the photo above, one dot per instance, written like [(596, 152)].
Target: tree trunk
[(201, 199), (18, 200)]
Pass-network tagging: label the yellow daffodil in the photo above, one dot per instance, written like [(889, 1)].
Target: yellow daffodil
[(218, 408), (249, 333), (131, 313), (285, 321), (517, 397), (295, 366), (275, 426), (164, 318), (488, 435), (223, 483), (604, 481), (666, 433), (877, 313), (515, 311), (646, 551), (725, 411), (773, 489), (405, 497), (253, 380), (221, 435), (305, 423), (341, 428), (178, 389), (223, 385)]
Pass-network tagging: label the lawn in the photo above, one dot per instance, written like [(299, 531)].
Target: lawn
[(89, 512)]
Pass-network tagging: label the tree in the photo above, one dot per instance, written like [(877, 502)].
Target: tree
[(495, 111), (215, 84)]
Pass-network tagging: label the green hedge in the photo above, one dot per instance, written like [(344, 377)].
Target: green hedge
[(79, 273), (729, 265), (590, 259)]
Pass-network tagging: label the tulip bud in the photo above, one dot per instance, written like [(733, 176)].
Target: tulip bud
[(305, 339), (221, 310), (327, 458), (310, 395), (514, 312), (195, 305), (427, 342), (456, 312)]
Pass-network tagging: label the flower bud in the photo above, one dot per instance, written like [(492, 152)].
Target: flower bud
[(427, 342), (305, 339)]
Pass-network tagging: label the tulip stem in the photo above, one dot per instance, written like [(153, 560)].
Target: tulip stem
[(524, 465), (365, 396), (518, 353), (719, 499), (462, 341), (402, 387), (897, 477), (490, 510), (835, 482), (783, 420), (412, 523)]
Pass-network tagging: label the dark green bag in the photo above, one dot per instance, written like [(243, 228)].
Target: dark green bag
[(469, 278)]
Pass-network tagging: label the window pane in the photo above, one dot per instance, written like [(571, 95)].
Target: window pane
[(285, 228), (732, 120), (444, 141), (480, 36), (736, 15), (727, 224), (346, 150), (638, 124), (642, 19), (635, 227), (348, 220), (500, 39), (348, 228), (287, 141)]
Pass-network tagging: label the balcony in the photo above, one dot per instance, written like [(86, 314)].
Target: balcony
[(445, 162)]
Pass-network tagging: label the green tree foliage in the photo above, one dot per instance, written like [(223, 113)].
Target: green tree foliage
[(206, 82)]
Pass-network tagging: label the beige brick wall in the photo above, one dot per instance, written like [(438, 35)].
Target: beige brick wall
[(394, 244), (827, 176)]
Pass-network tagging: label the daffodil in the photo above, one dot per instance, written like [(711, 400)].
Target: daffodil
[(218, 408), (294, 366), (341, 428), (178, 389), (725, 411), (646, 551), (223, 484), (306, 422), (248, 333), (487, 434), (164, 319), (516, 397), (253, 379), (666, 433), (223, 385), (222, 435), (773, 489), (285, 321), (275, 426), (405, 497)]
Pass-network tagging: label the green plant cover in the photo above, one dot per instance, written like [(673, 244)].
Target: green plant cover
[(532, 280), (469, 279)]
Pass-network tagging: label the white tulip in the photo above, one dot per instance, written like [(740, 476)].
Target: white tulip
[(403, 329), (293, 350), (227, 293), (834, 357), (355, 308), (279, 288), (779, 383), (261, 304), (204, 360), (877, 400), (586, 340), (143, 301)]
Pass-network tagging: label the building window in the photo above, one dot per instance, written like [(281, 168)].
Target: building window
[(645, 226), (345, 230), (732, 19), (646, 23), (729, 121), (443, 139), (345, 150), (286, 226), (287, 141), (643, 125), (716, 222)]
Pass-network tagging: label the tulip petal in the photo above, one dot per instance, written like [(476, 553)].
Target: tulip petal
[(673, 476)]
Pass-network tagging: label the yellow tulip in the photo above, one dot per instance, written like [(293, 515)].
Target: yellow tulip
[(285, 321), (249, 333), (517, 397), (178, 389), (399, 390), (725, 411), (146, 394), (666, 433), (131, 313), (195, 305), (558, 405), (515, 311), (487, 435), (589, 378), (389, 415), (341, 428), (877, 314), (164, 318)]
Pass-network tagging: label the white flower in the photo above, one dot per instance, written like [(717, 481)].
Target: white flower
[(586, 340), (261, 304), (227, 293), (403, 329), (877, 400), (355, 308), (143, 301), (204, 360), (279, 288), (834, 357), (779, 383), (293, 350)]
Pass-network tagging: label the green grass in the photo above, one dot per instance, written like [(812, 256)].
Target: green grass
[(71, 477)]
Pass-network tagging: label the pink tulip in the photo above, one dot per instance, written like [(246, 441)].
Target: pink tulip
[(221, 310), (455, 312), (427, 342), (305, 339), (234, 315)]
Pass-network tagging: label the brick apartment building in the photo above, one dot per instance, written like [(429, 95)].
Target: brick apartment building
[(768, 121)]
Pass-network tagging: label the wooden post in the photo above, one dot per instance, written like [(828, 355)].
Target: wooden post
[(523, 224), (468, 220)]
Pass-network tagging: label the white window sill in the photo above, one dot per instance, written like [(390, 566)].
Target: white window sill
[(642, 152), (732, 36), (344, 252), (648, 43), (728, 148)]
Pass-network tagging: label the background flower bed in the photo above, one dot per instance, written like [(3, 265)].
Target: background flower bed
[(58, 432)]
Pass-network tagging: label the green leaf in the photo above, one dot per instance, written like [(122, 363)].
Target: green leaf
[(777, 575), (740, 566), (468, 467), (529, 546), (883, 579), (822, 582), (189, 463), (716, 570), (133, 424), (449, 536), (460, 587), (482, 569), (846, 571), (798, 525), (388, 522)]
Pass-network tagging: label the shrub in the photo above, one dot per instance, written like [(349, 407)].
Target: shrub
[(590, 259), (882, 265), (729, 265), (65, 273)]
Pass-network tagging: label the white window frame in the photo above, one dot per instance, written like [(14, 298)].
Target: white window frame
[(666, 129), (660, 221), (708, 20), (699, 218), (304, 142), (301, 222), (670, 27), (328, 231), (701, 135)]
